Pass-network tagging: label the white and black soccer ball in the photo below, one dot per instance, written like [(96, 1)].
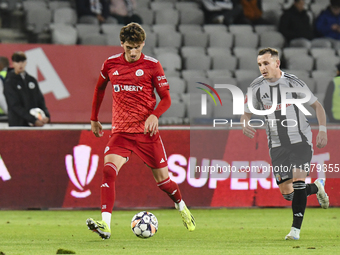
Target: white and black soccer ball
[(144, 224), (38, 113)]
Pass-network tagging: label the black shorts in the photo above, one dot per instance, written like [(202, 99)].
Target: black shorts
[(286, 158)]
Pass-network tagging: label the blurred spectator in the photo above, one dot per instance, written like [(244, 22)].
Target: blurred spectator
[(4, 65), (252, 10), (222, 12), (331, 101), (97, 8), (328, 22), (22, 94), (124, 11), (295, 22)]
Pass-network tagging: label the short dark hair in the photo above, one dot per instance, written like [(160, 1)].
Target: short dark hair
[(18, 56), (271, 51), (335, 3), (132, 33)]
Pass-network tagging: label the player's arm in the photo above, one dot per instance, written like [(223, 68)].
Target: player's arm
[(321, 138), (247, 130), (162, 87), (98, 96)]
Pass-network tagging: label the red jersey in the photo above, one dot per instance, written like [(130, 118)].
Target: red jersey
[(133, 94)]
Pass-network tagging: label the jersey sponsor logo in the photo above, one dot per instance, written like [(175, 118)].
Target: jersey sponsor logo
[(161, 77), (31, 85), (115, 73), (163, 84), (139, 72), (118, 88)]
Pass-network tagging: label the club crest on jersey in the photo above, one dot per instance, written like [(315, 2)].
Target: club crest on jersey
[(139, 72), (31, 85), (116, 88)]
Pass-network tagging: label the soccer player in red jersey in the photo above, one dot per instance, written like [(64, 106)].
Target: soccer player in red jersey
[(133, 76)]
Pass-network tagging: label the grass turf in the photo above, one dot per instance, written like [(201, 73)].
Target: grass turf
[(219, 231)]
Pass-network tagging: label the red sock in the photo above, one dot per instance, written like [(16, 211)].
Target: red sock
[(107, 188), (171, 188)]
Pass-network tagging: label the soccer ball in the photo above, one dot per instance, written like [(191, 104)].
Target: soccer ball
[(38, 113), (144, 224)]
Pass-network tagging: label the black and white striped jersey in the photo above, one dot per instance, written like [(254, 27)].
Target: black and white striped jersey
[(282, 129)]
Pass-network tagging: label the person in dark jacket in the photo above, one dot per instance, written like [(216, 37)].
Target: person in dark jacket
[(295, 22), (331, 100), (22, 94), (96, 8), (327, 24)]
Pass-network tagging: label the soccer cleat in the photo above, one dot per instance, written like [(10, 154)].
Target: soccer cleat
[(294, 234), (321, 194), (188, 219), (99, 227)]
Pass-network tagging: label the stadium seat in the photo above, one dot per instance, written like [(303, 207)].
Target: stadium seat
[(88, 19), (187, 51), (272, 39), (240, 29), (188, 74), (151, 40), (322, 52), (214, 28), (84, 29), (248, 40), (191, 16), (322, 82), (169, 39), (294, 51), (186, 5), (189, 28), (195, 39), (328, 63), (38, 20), (317, 7), (64, 34), (112, 29), (172, 73), (259, 29), (300, 43), (310, 82), (241, 74), (218, 51), (300, 63), (149, 51), (177, 109), (163, 28), (65, 15), (170, 61), (159, 50), (157, 6), (321, 43), (167, 16), (223, 80), (177, 85), (247, 62), (147, 15), (221, 39), (143, 4), (211, 74), (224, 63), (201, 62), (33, 5), (94, 39), (53, 5)]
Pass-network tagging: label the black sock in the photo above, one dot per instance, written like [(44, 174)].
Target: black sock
[(311, 189), (299, 203)]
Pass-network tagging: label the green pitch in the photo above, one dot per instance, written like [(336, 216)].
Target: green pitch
[(219, 231)]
